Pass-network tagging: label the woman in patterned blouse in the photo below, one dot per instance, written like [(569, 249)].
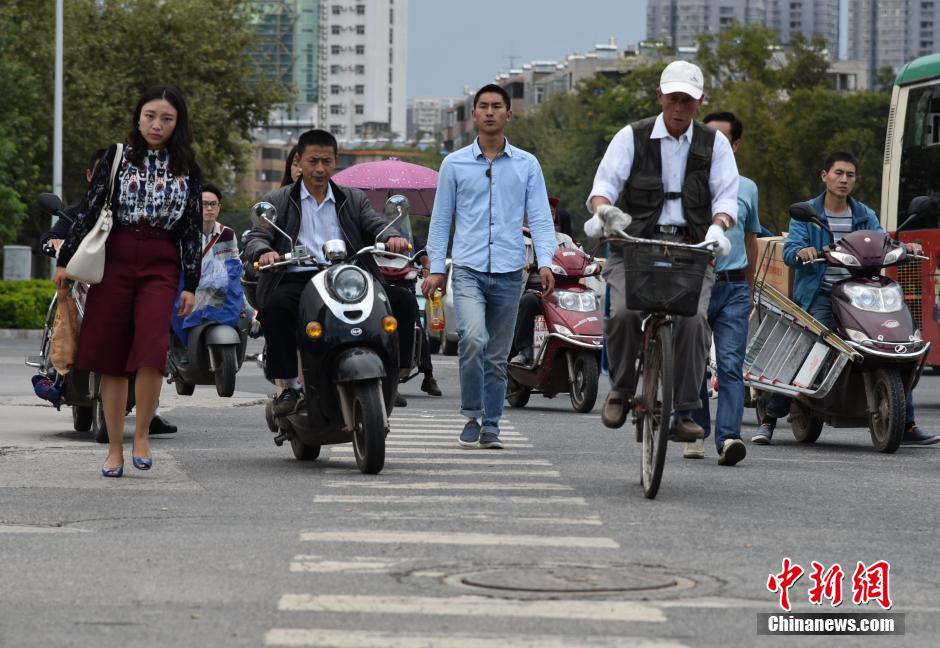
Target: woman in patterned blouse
[(156, 202)]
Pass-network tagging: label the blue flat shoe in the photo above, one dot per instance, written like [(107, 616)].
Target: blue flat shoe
[(142, 463), (116, 471)]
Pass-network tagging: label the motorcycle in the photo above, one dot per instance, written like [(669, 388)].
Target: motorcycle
[(403, 272), (873, 319), (348, 347), (569, 333), (212, 355), (80, 390)]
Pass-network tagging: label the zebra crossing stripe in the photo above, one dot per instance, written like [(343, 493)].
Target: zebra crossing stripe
[(494, 460), (444, 486), (322, 637), (511, 517), (478, 607), (464, 501), (452, 472), (472, 539)]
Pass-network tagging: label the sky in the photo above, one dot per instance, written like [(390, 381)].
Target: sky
[(452, 43)]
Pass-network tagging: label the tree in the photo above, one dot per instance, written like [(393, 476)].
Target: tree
[(116, 49)]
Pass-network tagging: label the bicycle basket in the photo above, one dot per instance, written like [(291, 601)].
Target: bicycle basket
[(662, 279)]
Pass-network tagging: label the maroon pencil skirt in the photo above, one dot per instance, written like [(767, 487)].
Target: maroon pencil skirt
[(127, 316)]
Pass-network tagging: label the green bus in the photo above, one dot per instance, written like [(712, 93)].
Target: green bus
[(910, 189)]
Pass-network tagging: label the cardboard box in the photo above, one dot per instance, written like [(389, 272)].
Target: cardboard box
[(770, 266)]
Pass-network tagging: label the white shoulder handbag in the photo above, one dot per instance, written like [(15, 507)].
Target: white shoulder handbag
[(87, 264)]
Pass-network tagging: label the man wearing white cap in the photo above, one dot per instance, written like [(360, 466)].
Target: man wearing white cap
[(677, 182)]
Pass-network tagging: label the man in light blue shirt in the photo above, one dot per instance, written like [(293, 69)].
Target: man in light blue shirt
[(486, 189), (728, 311)]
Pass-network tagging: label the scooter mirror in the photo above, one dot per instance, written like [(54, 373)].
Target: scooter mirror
[(803, 212), (395, 205), (263, 215), (49, 202), (920, 207)]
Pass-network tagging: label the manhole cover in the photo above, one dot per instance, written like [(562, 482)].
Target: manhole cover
[(575, 580)]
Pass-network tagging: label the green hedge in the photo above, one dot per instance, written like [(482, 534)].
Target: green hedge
[(23, 304)]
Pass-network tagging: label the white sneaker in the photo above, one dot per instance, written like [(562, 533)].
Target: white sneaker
[(732, 451), (694, 449)]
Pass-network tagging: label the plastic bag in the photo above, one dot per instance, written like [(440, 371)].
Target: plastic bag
[(64, 344)]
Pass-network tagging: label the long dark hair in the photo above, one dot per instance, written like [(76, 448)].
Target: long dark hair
[(288, 178), (182, 158)]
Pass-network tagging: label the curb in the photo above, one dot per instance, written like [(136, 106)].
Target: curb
[(20, 334)]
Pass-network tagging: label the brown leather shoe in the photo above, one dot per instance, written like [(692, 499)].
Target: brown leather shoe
[(614, 412), (685, 430)]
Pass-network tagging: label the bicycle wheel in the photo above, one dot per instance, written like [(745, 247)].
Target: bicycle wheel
[(657, 401)]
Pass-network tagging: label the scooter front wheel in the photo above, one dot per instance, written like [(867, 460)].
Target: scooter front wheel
[(886, 418), (302, 451), (584, 388), (226, 366), (98, 427), (368, 427), (82, 417)]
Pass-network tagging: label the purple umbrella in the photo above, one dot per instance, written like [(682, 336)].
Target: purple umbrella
[(389, 177)]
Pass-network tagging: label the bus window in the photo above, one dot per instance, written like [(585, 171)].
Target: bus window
[(920, 158)]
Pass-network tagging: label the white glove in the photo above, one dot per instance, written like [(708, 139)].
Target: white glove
[(717, 234), (608, 219)]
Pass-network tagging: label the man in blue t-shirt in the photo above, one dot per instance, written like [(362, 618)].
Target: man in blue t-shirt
[(728, 312)]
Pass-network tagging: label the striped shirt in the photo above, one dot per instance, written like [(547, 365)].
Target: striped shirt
[(840, 224)]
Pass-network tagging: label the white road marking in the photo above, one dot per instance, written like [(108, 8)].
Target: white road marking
[(445, 486), (25, 528), (494, 460), (455, 449), (321, 637), (392, 440), (503, 519), (358, 565), (453, 472), (478, 607), (399, 433), (472, 539), (456, 500)]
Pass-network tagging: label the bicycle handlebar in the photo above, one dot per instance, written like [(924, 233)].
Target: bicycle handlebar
[(623, 237)]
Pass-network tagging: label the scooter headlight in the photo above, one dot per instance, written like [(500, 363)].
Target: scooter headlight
[(845, 259), (875, 299), (349, 285), (893, 255), (576, 301)]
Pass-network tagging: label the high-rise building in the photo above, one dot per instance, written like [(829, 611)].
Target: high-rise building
[(426, 117), (347, 61), (679, 22), (365, 86), (808, 17), (890, 33)]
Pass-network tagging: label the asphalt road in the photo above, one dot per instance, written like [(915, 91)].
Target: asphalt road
[(229, 541)]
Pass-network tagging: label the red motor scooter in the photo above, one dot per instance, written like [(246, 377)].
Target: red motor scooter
[(569, 333)]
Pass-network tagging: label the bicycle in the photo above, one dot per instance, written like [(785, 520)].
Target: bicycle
[(663, 279)]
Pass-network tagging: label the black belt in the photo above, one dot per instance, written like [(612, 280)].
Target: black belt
[(680, 230), (673, 195), (731, 275)]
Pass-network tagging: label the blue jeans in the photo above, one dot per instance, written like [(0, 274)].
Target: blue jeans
[(778, 406), (727, 315), (486, 304)]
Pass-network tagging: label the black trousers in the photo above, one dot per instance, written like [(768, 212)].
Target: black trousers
[(280, 327), (525, 321)]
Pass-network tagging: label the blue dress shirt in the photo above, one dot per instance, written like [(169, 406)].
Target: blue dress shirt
[(488, 200)]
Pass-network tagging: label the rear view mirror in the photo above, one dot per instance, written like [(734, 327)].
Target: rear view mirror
[(51, 203), (803, 212), (263, 215), (921, 209)]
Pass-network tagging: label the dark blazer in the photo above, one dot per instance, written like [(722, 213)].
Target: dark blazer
[(359, 222)]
